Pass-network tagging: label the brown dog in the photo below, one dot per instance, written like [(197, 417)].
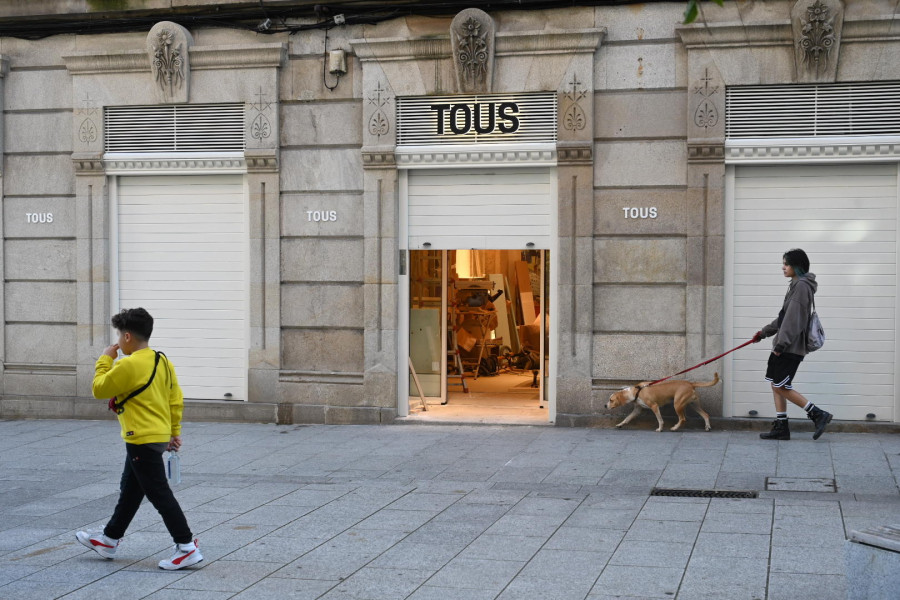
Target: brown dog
[(681, 393)]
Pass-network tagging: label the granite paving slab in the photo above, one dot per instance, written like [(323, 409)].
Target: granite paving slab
[(459, 512)]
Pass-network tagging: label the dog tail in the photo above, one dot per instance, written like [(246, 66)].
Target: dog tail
[(708, 383)]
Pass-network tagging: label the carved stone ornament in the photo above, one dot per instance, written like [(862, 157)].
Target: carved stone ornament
[(167, 47), (472, 42), (817, 29), (573, 117), (379, 123), (706, 105)]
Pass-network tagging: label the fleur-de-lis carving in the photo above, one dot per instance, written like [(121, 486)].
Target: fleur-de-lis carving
[(87, 133), (260, 128), (575, 119), (472, 50), (706, 115), (379, 124), (817, 37), (168, 62)]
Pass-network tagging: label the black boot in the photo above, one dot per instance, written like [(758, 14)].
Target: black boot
[(780, 431), (821, 418)]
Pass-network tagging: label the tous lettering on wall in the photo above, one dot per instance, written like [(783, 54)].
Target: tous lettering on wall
[(485, 118), (321, 215), (38, 217), (642, 212)]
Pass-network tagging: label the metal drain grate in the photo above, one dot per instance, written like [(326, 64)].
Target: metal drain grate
[(704, 493)]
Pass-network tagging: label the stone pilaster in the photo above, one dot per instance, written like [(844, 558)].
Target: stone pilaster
[(265, 273), (381, 210), (705, 215), (574, 294), (4, 69), (93, 264)]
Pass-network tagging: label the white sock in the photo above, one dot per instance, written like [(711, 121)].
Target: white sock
[(781, 416), (809, 406)]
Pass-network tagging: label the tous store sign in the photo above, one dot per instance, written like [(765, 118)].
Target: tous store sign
[(478, 119)]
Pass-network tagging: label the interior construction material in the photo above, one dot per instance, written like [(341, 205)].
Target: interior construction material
[(476, 337)]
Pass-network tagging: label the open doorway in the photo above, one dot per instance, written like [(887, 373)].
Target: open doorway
[(478, 347)]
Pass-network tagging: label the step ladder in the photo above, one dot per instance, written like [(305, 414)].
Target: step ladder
[(457, 362)]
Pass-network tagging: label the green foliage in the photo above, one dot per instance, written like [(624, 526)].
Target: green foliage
[(693, 8)]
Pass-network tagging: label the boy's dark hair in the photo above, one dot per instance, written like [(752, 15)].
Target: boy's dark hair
[(135, 321), (797, 259)]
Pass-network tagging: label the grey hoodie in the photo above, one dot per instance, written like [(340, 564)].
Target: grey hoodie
[(791, 335)]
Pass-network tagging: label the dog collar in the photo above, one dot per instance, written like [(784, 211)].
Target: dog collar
[(637, 391)]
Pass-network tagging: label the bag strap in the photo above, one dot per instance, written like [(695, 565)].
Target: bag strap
[(120, 406)]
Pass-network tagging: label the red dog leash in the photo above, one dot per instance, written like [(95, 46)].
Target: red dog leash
[(703, 363)]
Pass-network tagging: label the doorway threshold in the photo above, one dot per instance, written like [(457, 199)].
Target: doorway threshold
[(469, 414)]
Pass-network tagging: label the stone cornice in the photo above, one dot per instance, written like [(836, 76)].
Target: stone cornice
[(173, 164), (575, 154), (242, 56), (378, 159), (779, 33), (261, 162), (812, 150), (706, 151), (577, 41), (436, 157), (88, 164)]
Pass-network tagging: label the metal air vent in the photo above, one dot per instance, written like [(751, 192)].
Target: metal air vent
[(175, 128), (479, 119), (841, 109)]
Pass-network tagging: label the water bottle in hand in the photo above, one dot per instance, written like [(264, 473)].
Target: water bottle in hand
[(173, 468)]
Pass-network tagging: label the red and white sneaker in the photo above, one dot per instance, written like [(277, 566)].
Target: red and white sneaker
[(185, 556), (99, 543)]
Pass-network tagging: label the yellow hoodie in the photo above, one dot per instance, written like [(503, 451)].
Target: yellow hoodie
[(152, 416)]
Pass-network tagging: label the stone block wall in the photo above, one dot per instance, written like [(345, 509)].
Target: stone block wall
[(39, 248), (322, 237), (640, 264)]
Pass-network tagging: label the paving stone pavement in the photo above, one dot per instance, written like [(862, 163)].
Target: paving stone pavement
[(426, 512)]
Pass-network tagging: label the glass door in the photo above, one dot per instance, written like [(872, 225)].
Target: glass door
[(427, 310)]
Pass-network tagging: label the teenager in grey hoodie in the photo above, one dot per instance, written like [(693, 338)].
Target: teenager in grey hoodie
[(789, 346)]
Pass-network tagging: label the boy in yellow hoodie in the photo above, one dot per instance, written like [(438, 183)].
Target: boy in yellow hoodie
[(149, 404)]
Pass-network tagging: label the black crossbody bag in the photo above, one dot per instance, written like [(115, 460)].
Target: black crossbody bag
[(119, 407)]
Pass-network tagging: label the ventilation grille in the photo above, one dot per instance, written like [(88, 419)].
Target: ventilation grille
[(502, 119), (175, 128), (813, 110), (680, 493)]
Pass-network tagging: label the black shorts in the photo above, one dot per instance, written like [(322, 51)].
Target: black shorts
[(781, 369)]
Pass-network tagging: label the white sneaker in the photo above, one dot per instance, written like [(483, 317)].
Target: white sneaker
[(185, 556), (99, 543)]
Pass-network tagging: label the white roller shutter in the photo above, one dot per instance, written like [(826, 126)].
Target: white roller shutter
[(182, 255), (480, 208), (845, 218)]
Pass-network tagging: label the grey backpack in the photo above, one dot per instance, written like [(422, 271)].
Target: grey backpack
[(815, 333)]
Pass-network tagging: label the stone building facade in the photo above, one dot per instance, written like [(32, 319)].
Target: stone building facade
[(647, 242)]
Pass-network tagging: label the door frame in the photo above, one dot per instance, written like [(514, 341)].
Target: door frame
[(403, 397)]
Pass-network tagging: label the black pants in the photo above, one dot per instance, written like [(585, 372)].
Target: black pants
[(145, 475)]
